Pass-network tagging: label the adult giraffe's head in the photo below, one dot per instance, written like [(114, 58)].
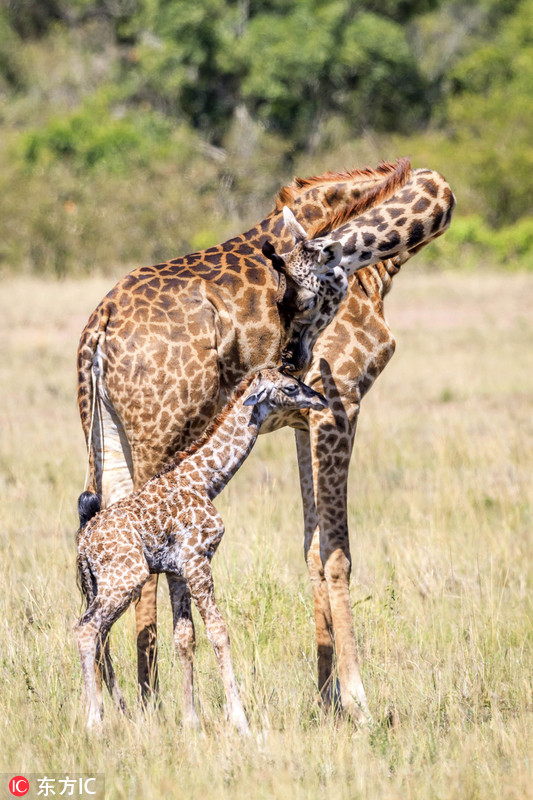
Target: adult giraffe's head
[(312, 287), (317, 269)]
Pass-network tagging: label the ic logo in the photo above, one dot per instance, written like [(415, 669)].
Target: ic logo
[(19, 786)]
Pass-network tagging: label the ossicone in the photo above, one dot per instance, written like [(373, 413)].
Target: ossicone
[(296, 230)]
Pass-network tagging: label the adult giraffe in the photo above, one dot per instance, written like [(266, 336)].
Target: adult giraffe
[(165, 347)]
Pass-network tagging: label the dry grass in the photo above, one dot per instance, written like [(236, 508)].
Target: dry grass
[(441, 519)]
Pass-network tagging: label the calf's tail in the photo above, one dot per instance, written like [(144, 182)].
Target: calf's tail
[(89, 504)]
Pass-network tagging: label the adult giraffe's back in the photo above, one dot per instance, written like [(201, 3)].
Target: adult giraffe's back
[(165, 347)]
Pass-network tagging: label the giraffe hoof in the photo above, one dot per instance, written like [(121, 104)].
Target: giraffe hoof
[(360, 716), (94, 724), (191, 722)]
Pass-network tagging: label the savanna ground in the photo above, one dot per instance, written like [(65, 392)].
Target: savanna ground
[(441, 515)]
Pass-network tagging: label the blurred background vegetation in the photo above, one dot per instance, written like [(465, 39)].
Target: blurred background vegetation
[(134, 131)]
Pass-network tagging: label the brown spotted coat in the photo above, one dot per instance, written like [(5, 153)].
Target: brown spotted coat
[(169, 342), (171, 525)]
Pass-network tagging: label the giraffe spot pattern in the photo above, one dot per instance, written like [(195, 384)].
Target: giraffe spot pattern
[(196, 302), (171, 525)]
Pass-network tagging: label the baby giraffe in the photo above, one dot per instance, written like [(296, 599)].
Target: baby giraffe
[(171, 525)]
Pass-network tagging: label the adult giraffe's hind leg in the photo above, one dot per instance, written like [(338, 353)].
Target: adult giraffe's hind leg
[(146, 622), (331, 447)]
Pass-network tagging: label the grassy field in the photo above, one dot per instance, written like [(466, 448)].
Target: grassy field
[(441, 519)]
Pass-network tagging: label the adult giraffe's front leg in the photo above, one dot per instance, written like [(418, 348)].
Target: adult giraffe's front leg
[(324, 457), (323, 622)]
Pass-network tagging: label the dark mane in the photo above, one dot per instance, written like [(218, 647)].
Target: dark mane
[(396, 176), (288, 194), (211, 429)]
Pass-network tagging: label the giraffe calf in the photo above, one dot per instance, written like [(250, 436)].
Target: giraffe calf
[(171, 525)]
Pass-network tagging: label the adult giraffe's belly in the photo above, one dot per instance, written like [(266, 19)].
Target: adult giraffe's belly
[(161, 375), (248, 333)]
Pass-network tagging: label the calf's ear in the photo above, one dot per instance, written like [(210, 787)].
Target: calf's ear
[(277, 262), (256, 397)]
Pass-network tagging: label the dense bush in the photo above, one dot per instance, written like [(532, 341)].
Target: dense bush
[(91, 136), (490, 115), (288, 63), (227, 99)]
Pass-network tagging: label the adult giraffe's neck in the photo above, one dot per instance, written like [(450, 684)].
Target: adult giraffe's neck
[(399, 227), (322, 202)]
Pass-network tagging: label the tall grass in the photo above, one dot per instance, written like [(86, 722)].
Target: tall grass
[(441, 518)]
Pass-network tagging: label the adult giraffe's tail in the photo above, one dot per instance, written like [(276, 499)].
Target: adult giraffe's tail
[(87, 386), (109, 468)]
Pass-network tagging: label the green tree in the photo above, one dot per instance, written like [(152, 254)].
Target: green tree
[(290, 63), (491, 116)]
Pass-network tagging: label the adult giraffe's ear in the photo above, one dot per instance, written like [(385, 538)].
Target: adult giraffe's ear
[(297, 232), (256, 397), (329, 257), (277, 262)]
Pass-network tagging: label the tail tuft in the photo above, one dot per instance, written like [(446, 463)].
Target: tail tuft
[(89, 504), (86, 582)]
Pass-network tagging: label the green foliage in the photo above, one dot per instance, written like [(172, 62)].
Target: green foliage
[(88, 144), (510, 246), (492, 116), (320, 60), (36, 18), (95, 94), (182, 60), (33, 17), (11, 66), (93, 137), (290, 64), (400, 10)]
